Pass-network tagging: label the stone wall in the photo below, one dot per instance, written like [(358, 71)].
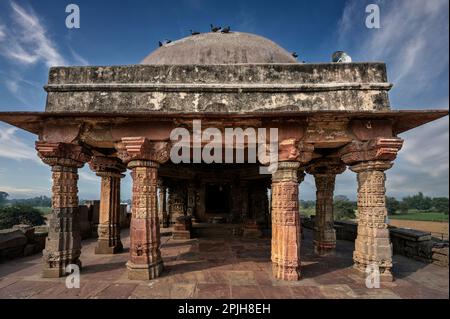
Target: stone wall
[(407, 242), (25, 240), (21, 240)]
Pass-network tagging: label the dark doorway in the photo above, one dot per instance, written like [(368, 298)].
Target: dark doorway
[(217, 199)]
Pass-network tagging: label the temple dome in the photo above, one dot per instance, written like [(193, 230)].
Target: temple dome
[(220, 48)]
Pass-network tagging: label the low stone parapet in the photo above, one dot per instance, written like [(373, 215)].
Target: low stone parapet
[(21, 240), (411, 243)]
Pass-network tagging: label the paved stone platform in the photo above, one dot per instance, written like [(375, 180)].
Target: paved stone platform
[(222, 268)]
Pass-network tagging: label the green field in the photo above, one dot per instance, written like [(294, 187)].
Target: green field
[(421, 216)]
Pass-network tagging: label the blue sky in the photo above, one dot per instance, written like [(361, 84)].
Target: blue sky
[(413, 40)]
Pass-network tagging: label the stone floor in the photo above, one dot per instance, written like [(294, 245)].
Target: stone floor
[(222, 268)]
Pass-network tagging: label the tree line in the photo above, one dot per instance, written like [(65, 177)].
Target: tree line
[(345, 209)]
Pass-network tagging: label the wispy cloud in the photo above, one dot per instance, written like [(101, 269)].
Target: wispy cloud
[(413, 40), (28, 42), (14, 147), (88, 176), (2, 32)]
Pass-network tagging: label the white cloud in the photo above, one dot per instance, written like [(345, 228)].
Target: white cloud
[(2, 33), (413, 40), (24, 192), (88, 176), (13, 147), (28, 41)]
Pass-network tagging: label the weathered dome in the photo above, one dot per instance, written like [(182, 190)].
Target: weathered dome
[(220, 48)]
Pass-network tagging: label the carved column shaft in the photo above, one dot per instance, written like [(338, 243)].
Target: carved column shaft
[(143, 158), (109, 223), (324, 233), (369, 159), (63, 244), (372, 245), (325, 171), (162, 206), (109, 169), (285, 222), (145, 255)]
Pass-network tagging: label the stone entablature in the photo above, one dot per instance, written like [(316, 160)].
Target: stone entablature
[(233, 88)]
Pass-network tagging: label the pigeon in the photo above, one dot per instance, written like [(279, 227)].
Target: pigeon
[(214, 29), (225, 30), (295, 55), (194, 32), (163, 43)]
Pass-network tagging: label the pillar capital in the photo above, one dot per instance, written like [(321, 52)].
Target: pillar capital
[(62, 154), (371, 166), (293, 150), (142, 149), (288, 171), (379, 149), (326, 166), (107, 166)]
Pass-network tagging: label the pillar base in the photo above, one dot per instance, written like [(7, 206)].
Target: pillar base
[(57, 272), (360, 270), (144, 271), (325, 249), (181, 234), (103, 248), (288, 273)]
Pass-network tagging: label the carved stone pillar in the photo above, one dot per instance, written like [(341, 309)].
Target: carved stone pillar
[(63, 244), (325, 171), (369, 160), (285, 222), (162, 205), (286, 232), (143, 158), (109, 169), (190, 200), (176, 203)]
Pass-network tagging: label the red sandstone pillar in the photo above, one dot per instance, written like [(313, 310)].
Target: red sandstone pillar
[(109, 169), (145, 257), (63, 244), (325, 171), (373, 249), (143, 158), (285, 222)]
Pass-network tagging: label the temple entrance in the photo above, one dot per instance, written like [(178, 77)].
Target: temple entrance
[(217, 200)]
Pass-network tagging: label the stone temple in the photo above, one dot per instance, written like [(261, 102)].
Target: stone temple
[(328, 116)]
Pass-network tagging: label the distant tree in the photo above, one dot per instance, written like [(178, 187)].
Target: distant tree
[(39, 201), (403, 207), (343, 208), (441, 204), (20, 214), (341, 198), (392, 205), (307, 203), (419, 201), (3, 198)]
